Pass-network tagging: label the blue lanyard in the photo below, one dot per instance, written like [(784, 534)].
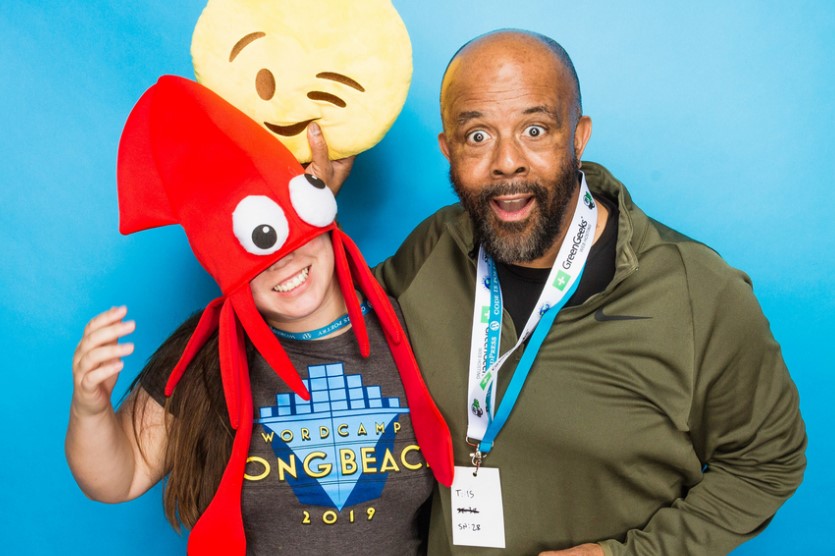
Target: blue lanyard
[(341, 322), (520, 375)]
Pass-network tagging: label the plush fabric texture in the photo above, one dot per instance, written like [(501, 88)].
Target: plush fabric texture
[(189, 157), (345, 65)]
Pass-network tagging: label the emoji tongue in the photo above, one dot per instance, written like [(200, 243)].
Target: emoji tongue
[(288, 130)]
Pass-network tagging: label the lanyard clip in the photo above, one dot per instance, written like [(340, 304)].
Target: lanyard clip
[(477, 456)]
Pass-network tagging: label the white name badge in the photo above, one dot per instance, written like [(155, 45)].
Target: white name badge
[(477, 513)]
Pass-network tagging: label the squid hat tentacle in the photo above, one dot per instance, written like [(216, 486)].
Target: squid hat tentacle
[(346, 284), (430, 428), (220, 529)]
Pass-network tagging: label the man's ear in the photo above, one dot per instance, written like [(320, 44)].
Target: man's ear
[(582, 134), (443, 144)]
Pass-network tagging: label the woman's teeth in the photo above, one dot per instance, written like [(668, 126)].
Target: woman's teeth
[(294, 282)]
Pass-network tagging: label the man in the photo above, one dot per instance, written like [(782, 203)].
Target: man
[(657, 416)]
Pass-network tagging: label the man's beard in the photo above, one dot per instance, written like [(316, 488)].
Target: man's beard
[(526, 240)]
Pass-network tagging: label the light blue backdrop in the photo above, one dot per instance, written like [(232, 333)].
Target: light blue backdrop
[(718, 115)]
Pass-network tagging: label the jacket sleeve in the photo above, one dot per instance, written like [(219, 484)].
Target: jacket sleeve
[(397, 272), (745, 426)]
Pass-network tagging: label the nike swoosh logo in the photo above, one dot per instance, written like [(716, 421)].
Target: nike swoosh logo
[(600, 316)]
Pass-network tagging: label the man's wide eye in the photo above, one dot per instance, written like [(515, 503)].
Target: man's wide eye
[(260, 225), (535, 131), (477, 136)]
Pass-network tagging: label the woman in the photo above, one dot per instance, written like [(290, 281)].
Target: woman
[(289, 441)]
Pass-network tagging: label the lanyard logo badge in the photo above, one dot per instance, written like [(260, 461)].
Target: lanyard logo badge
[(562, 280), (476, 408), (588, 200), (485, 314)]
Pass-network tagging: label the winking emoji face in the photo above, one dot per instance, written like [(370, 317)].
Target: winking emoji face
[(345, 65)]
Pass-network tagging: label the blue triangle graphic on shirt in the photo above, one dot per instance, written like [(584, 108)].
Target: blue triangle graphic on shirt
[(330, 449)]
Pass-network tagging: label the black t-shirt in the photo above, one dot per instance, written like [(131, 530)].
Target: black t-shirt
[(521, 286)]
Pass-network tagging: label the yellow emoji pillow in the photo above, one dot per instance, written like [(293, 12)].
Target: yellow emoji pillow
[(345, 64)]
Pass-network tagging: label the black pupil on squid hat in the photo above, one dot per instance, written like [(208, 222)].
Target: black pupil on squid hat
[(314, 181), (264, 236)]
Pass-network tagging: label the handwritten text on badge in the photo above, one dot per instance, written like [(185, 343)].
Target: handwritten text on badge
[(477, 514)]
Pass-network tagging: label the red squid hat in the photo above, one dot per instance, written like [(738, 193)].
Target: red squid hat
[(189, 157)]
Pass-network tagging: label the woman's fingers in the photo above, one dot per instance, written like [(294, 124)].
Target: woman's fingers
[(106, 328), (100, 356), (97, 360)]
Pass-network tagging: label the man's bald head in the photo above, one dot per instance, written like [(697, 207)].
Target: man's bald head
[(512, 43)]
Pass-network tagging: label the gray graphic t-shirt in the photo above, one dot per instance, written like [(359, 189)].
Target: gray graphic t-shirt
[(341, 473)]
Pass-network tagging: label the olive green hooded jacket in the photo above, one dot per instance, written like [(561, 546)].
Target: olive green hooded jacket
[(658, 418)]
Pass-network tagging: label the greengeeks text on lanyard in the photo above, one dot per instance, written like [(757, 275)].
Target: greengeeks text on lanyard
[(485, 361)]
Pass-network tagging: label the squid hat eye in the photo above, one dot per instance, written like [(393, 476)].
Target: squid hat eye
[(313, 200), (260, 225)]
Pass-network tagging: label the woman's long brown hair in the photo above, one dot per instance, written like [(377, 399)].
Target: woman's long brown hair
[(199, 437)]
